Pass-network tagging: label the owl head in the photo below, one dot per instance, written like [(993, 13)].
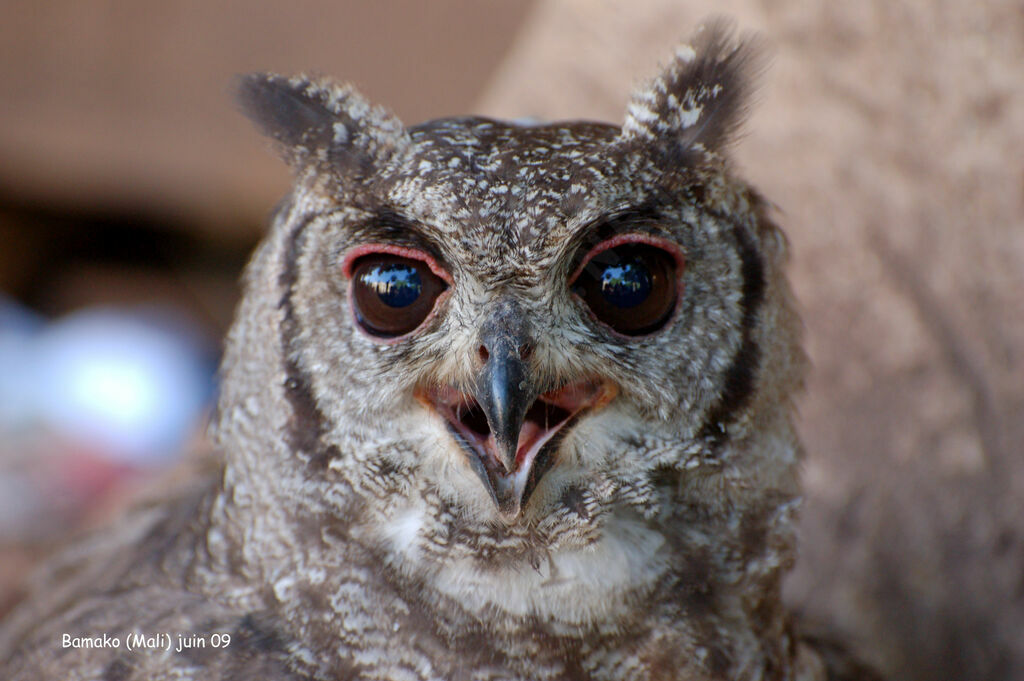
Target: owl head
[(518, 331)]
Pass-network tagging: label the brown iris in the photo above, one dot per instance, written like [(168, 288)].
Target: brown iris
[(631, 287), (392, 295)]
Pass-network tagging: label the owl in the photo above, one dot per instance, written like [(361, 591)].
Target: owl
[(501, 402)]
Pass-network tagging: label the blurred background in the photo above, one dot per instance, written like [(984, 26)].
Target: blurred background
[(890, 135)]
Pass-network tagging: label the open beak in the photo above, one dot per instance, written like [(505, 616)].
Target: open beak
[(510, 430), (512, 441)]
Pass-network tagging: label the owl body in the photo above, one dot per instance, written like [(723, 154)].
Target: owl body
[(500, 402)]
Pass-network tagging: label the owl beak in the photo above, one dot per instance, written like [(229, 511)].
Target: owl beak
[(510, 431), (511, 475), (535, 425), (504, 393), (504, 390)]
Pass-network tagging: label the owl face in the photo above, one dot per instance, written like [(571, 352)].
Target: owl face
[(533, 327)]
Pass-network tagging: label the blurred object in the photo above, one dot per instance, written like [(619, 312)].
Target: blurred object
[(890, 135), (18, 326), (86, 402), (129, 384), (56, 262)]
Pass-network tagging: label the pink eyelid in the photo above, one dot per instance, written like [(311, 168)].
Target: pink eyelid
[(616, 241), (369, 249), (410, 253)]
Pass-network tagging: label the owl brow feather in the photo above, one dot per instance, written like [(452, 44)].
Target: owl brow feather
[(317, 120), (387, 225), (698, 103), (610, 224)]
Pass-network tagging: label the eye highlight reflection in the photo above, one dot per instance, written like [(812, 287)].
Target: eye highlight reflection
[(631, 287), (392, 295), (626, 284), (396, 284)]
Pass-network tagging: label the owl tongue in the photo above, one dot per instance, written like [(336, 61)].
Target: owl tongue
[(528, 436), (541, 423), (548, 414)]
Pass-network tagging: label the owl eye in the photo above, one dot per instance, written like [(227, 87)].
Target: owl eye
[(392, 295), (631, 287)]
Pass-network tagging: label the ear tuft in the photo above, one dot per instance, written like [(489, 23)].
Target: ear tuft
[(319, 120), (697, 104)]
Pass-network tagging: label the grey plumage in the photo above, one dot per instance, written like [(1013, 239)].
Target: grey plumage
[(519, 481)]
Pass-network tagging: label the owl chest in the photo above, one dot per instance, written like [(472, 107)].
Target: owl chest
[(559, 616), (418, 645), (608, 610), (584, 585)]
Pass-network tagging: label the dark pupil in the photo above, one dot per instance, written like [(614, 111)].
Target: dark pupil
[(397, 284), (626, 284)]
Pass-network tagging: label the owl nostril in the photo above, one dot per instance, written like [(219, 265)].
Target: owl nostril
[(525, 352)]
